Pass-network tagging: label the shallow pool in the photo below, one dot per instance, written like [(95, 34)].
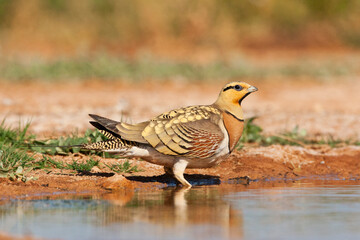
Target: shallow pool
[(295, 210)]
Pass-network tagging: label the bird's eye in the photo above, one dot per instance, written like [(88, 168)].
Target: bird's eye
[(238, 87)]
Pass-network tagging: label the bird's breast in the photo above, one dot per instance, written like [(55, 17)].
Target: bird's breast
[(234, 128)]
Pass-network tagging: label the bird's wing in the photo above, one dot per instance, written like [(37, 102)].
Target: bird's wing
[(190, 132), (132, 132)]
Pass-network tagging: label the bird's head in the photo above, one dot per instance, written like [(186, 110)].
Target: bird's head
[(231, 96)]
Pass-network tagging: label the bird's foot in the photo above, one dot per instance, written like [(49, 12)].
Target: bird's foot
[(178, 171)]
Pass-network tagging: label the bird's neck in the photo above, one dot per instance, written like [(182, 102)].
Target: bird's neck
[(233, 108)]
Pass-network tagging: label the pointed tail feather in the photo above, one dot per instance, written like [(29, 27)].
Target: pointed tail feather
[(105, 124), (115, 142), (107, 127), (112, 144)]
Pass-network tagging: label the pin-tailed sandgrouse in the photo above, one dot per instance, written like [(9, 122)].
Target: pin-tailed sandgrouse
[(193, 137)]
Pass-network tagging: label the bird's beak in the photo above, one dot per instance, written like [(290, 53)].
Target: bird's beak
[(252, 89)]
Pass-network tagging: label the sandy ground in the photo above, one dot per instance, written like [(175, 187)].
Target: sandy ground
[(321, 109), (330, 109)]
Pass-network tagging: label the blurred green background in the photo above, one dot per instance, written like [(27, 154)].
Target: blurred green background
[(186, 39)]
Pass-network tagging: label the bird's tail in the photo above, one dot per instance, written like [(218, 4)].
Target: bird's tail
[(112, 144)]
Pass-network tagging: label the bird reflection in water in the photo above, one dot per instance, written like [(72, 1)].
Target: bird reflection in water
[(176, 210)]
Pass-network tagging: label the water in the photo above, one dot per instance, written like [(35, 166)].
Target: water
[(316, 210)]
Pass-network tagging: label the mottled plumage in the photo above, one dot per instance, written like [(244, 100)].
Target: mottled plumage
[(195, 136)]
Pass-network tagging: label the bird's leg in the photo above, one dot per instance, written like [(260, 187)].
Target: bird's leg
[(178, 170), (168, 170)]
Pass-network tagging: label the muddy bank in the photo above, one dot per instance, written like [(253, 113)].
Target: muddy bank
[(256, 163)]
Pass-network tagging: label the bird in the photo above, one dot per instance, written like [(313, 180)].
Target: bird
[(199, 136)]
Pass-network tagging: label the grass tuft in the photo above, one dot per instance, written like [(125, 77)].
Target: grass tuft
[(297, 137), (14, 164), (47, 163), (14, 137), (56, 146), (124, 167), (82, 166), (251, 132)]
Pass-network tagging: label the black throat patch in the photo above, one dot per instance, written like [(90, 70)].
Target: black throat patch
[(243, 98)]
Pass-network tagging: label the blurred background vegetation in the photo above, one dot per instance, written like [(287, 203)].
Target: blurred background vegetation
[(63, 39)]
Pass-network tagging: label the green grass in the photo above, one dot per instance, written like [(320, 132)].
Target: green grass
[(107, 67), (124, 167), (47, 163), (297, 137), (14, 164), (58, 146), (253, 134), (82, 166), (19, 136)]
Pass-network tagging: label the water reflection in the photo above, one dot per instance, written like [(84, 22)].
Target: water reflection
[(170, 213), (295, 210)]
